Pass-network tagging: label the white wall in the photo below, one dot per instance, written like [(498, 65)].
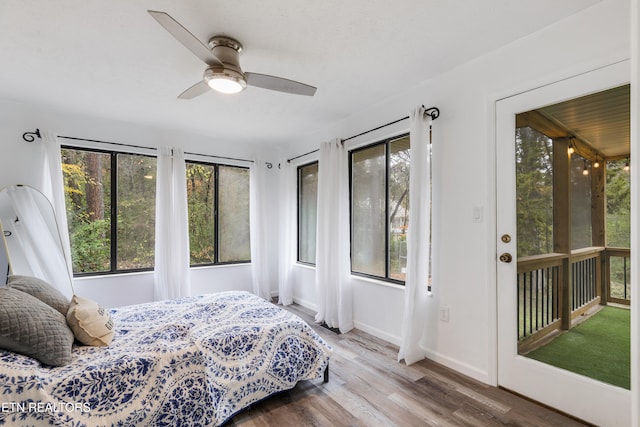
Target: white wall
[(464, 251), (20, 164)]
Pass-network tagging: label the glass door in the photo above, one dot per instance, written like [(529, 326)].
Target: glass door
[(551, 245)]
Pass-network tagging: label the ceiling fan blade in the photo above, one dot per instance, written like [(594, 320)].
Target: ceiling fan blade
[(183, 35), (195, 90), (278, 83)]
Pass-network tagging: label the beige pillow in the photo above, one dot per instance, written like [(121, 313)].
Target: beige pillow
[(91, 323)]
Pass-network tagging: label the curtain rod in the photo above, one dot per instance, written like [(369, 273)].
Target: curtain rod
[(433, 112), (31, 137)]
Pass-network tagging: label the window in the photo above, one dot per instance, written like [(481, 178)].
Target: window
[(218, 204), (307, 212), (380, 209), (110, 199)]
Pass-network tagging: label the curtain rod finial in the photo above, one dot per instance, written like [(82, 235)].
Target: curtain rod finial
[(434, 112), (31, 136)]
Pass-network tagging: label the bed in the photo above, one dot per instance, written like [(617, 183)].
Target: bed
[(195, 361)]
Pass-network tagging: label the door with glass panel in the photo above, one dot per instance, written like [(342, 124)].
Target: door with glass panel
[(562, 227)]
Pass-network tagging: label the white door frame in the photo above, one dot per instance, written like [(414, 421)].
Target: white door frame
[(635, 205), (577, 395)]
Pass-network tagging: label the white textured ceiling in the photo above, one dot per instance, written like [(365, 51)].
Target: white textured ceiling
[(111, 59)]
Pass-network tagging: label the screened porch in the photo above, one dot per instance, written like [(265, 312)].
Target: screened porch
[(573, 213)]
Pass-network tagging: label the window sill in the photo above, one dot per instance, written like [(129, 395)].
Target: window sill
[(111, 275), (357, 277), (216, 266), (377, 282)]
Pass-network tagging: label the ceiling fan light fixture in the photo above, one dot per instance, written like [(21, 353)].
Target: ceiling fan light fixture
[(224, 80), (224, 73)]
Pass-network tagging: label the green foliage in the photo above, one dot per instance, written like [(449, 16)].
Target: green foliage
[(90, 245), (200, 190), (534, 198), (619, 225), (397, 255), (620, 275), (618, 205), (399, 162), (534, 192), (87, 178), (90, 248), (136, 233)]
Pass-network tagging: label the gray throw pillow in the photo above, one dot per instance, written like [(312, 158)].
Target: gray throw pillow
[(42, 290), (30, 327)]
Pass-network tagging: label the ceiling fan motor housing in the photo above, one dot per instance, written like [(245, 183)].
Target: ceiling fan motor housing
[(227, 50)]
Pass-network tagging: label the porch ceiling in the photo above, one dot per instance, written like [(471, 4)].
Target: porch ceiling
[(600, 120)]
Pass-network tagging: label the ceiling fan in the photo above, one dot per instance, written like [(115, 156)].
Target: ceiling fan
[(223, 72)]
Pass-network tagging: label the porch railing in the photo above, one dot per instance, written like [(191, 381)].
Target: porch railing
[(538, 292), (618, 270), (586, 277), (597, 275)]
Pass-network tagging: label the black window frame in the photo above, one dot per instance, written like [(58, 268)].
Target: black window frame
[(113, 215), (216, 229), (386, 142), (299, 208)]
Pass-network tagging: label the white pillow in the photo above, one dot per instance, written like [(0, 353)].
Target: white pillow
[(91, 323)]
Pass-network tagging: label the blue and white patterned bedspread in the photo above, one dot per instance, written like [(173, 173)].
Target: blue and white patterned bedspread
[(195, 361)]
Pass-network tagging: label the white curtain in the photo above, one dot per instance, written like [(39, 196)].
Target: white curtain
[(418, 240), (333, 283), (172, 276), (53, 189), (259, 225), (34, 244), (287, 229)]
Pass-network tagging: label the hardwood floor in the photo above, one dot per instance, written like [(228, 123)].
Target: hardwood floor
[(368, 387)]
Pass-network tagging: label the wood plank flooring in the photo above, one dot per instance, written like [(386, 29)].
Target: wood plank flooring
[(368, 387)]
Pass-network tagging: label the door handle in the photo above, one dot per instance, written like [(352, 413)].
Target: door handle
[(506, 257)]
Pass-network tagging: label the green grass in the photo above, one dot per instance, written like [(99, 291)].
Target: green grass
[(598, 348)]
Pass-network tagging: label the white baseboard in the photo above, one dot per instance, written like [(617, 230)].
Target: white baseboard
[(358, 325), (377, 333), (458, 366), (449, 362), (305, 303)]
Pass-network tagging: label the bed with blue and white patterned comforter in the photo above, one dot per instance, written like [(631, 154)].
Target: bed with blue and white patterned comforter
[(194, 361)]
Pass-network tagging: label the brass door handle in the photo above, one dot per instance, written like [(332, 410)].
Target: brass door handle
[(506, 257)]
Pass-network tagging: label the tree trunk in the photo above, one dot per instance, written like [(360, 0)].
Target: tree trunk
[(95, 195)]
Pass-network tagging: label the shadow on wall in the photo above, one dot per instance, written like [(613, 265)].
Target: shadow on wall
[(4, 265)]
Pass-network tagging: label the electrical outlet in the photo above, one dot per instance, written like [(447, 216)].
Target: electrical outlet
[(444, 314)]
